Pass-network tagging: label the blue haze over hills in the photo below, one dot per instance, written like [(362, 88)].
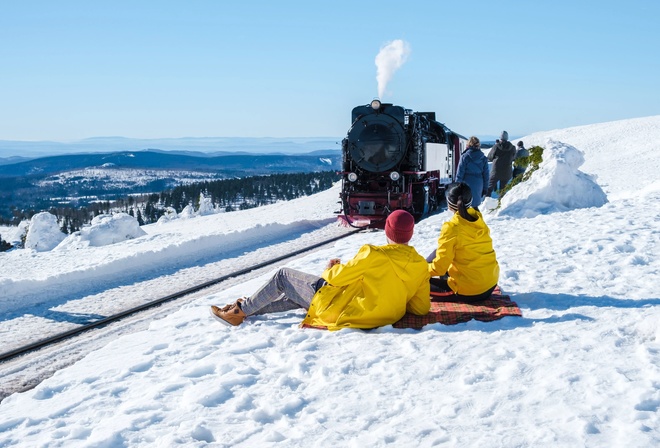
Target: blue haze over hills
[(85, 176), (15, 151)]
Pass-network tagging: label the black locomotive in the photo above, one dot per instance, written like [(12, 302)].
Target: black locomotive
[(394, 158)]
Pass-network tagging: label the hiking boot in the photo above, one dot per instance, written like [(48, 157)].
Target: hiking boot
[(231, 314), (229, 306)]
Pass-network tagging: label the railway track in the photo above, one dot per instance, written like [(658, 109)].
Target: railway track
[(48, 345), (153, 303)]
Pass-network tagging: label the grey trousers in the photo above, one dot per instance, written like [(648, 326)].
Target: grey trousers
[(497, 183), (287, 290)]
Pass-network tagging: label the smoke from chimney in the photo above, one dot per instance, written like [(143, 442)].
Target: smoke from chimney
[(389, 59)]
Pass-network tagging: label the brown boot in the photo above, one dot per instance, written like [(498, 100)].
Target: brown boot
[(231, 314), (228, 306)]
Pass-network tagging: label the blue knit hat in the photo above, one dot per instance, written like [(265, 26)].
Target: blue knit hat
[(504, 136)]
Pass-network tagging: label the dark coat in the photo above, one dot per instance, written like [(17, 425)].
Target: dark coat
[(502, 155), (473, 170), (520, 153)]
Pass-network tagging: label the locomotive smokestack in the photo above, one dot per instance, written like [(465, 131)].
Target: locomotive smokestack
[(389, 59)]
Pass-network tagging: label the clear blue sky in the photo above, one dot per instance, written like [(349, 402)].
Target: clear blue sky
[(153, 69)]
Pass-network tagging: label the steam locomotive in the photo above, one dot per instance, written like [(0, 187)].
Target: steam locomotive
[(394, 158)]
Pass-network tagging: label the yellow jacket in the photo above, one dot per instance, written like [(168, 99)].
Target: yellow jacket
[(373, 289), (465, 252)]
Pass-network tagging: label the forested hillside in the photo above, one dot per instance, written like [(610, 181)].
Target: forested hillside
[(83, 179), (204, 197)]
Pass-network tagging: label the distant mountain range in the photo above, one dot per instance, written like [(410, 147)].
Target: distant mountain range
[(206, 145), (77, 179), (230, 163)]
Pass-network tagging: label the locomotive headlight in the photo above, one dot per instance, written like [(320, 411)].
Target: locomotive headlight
[(375, 104), (394, 176), (352, 177)]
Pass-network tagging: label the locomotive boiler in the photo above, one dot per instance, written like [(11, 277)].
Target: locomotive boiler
[(394, 158)]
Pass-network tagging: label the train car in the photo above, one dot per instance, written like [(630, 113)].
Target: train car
[(394, 158)]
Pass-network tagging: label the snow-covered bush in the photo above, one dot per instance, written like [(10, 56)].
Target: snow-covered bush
[(4, 245), (104, 230), (205, 205), (187, 212), (532, 162), (169, 215), (43, 233)]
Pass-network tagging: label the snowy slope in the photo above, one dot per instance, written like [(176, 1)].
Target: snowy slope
[(27, 280), (580, 368), (623, 154)]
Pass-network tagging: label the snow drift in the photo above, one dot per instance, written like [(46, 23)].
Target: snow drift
[(557, 186)]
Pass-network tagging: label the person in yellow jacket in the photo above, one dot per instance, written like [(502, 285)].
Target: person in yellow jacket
[(465, 259), (373, 289)]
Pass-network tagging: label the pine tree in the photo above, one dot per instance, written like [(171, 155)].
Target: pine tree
[(4, 245)]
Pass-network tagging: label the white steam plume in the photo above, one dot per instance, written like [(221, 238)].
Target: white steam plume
[(389, 59)]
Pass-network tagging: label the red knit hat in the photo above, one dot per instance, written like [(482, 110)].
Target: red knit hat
[(399, 226)]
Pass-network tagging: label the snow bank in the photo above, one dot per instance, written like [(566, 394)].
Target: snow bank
[(83, 264), (129, 262), (557, 186)]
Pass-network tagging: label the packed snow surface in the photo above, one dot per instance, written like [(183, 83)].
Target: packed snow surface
[(580, 368)]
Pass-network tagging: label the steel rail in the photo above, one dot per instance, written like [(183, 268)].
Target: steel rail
[(115, 317)]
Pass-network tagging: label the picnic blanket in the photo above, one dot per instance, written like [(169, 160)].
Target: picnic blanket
[(446, 311)]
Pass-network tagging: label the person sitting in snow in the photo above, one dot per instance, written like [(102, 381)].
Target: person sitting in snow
[(465, 261), (373, 289), (501, 154), (473, 170), (520, 153)]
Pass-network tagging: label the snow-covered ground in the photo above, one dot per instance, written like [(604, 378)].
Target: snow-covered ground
[(580, 368), (127, 178)]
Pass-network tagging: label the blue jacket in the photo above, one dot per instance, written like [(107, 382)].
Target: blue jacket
[(473, 170)]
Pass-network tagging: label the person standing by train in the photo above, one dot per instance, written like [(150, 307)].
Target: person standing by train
[(520, 153), (373, 289), (473, 170), (501, 154), (465, 261)]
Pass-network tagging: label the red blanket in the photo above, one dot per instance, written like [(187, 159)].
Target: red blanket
[(446, 311), (451, 312)]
